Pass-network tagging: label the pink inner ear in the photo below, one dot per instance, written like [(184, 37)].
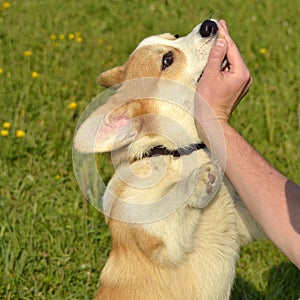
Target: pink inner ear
[(112, 127), (100, 134)]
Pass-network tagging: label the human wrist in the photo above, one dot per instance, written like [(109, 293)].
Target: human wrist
[(209, 120)]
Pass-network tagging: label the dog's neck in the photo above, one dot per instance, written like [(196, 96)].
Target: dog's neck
[(160, 150)]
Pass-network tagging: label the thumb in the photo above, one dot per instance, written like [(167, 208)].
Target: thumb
[(217, 55)]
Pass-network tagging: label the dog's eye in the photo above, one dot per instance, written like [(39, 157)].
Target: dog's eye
[(176, 36), (167, 60)]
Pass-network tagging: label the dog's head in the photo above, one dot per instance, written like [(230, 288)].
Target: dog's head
[(153, 105), (167, 56)]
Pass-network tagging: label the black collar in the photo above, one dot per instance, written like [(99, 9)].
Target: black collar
[(160, 150)]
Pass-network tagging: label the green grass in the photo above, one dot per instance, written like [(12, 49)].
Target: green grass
[(52, 243)]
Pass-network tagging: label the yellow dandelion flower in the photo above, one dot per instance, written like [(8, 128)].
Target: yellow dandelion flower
[(27, 53), (53, 37), (109, 48), (72, 105), (71, 36), (20, 134), (6, 125), (263, 51), (100, 41), (1, 70), (34, 74), (5, 5), (79, 39), (57, 177), (4, 132), (61, 36)]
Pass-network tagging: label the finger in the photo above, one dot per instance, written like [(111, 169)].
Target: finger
[(222, 28), (246, 88), (233, 55), (217, 55), (242, 94), (223, 24)]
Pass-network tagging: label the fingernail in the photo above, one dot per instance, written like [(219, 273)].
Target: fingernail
[(224, 22)]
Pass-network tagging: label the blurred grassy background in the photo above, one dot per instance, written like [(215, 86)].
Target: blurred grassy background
[(52, 244)]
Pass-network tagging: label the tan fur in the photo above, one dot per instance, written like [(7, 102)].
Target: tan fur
[(112, 77), (190, 253)]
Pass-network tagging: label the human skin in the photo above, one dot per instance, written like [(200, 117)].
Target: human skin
[(272, 199)]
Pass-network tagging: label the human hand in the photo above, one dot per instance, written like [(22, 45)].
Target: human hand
[(223, 89)]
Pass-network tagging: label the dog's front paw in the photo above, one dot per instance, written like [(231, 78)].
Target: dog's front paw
[(213, 175)]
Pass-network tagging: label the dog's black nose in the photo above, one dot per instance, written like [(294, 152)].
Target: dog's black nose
[(208, 28)]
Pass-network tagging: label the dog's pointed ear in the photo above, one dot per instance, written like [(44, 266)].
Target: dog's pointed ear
[(106, 131), (111, 77)]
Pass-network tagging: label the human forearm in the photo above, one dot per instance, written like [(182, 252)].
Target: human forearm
[(272, 199)]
